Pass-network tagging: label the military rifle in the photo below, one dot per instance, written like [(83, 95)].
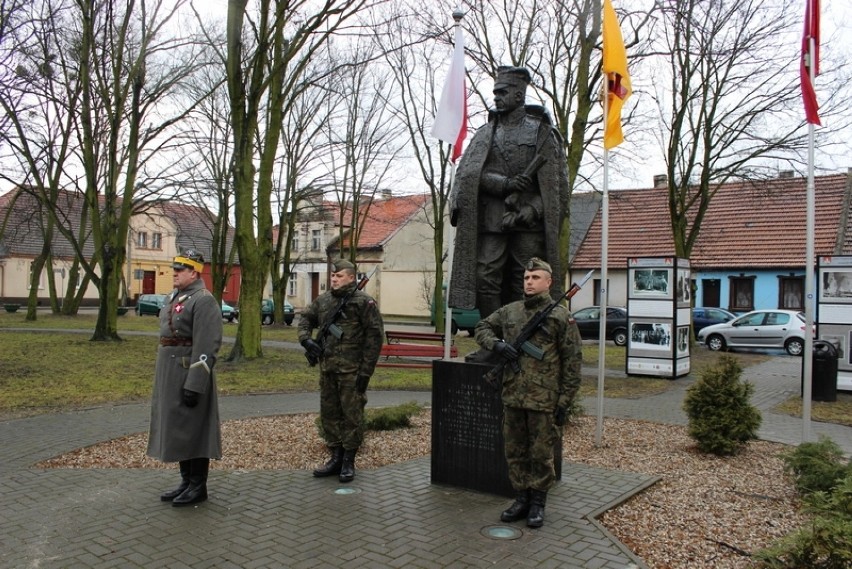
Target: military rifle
[(522, 342), (330, 327)]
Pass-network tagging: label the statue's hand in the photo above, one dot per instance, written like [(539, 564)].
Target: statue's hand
[(527, 216), (519, 183)]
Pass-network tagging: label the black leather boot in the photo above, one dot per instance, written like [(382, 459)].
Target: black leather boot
[(519, 508), (347, 468), (197, 490), (184, 483), (331, 467), (535, 519)]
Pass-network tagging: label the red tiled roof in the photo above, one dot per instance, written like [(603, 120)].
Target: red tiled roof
[(748, 224), (386, 217)]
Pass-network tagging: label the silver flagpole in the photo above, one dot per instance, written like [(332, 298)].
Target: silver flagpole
[(807, 371), (603, 287), (448, 316)]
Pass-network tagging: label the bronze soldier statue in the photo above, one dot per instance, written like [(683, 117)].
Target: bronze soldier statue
[(507, 203), (347, 353), (537, 390)]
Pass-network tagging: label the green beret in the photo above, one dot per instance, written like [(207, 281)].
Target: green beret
[(536, 264), (341, 265)]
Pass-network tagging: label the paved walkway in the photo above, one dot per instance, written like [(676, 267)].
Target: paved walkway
[(394, 517)]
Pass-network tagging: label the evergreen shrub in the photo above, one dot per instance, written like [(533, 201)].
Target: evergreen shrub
[(721, 417)]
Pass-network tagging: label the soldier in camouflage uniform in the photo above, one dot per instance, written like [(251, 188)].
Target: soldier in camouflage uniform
[(535, 399), (346, 363)]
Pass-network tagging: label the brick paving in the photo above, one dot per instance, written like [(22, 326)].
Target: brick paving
[(257, 519)]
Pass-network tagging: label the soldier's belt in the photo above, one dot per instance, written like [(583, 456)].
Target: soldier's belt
[(164, 341)]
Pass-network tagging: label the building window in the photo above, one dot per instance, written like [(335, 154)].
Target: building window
[(142, 240), (294, 245), (742, 294), (596, 292), (157, 241), (40, 285), (316, 238), (791, 293), (291, 285)]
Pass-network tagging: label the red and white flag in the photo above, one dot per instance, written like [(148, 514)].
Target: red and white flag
[(810, 56), (451, 119)]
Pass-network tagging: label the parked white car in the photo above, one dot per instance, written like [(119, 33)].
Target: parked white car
[(758, 329)]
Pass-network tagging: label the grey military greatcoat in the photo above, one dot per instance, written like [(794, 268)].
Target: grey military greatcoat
[(190, 337)]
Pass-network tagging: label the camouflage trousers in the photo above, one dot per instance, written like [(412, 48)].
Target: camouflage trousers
[(529, 437), (341, 410)]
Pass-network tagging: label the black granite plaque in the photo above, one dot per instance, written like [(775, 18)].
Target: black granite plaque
[(467, 437)]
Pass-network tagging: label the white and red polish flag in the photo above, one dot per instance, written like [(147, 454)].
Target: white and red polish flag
[(451, 119)]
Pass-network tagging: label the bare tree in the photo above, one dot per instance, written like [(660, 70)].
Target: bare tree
[(206, 180), (410, 57), (728, 111), (127, 69), (365, 136), (39, 98), (263, 65), (300, 180)]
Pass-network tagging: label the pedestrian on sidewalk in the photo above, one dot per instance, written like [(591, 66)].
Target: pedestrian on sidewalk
[(536, 392), (184, 405), (347, 348)]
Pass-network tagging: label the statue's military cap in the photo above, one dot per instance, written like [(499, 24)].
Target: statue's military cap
[(341, 265), (536, 264), (508, 76)]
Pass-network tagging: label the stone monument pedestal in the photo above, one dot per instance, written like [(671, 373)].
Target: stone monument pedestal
[(467, 430)]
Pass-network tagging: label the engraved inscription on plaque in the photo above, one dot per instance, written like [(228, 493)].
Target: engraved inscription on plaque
[(467, 420)]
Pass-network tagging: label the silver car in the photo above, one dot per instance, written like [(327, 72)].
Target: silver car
[(758, 329)]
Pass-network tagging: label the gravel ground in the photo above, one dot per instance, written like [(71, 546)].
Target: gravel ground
[(705, 512)]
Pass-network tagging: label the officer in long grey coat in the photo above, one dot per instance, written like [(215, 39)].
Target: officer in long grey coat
[(184, 405)]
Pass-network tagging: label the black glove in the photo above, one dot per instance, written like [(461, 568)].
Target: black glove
[(190, 398), (559, 416), (312, 348), (506, 351), (361, 383)]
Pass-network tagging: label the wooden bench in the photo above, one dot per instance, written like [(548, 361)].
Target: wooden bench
[(420, 345)]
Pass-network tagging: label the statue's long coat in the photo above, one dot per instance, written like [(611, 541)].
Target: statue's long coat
[(553, 185)]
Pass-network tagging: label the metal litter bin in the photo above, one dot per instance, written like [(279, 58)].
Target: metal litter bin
[(824, 372)]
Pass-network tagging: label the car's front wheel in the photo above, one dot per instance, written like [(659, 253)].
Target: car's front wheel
[(619, 337), (716, 342), (267, 319), (795, 346)]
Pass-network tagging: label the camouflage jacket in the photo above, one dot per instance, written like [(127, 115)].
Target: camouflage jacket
[(540, 385), (357, 350)]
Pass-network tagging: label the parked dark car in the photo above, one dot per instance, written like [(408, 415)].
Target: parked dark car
[(463, 318), (703, 317), (150, 304), (229, 313), (588, 321), (267, 312)]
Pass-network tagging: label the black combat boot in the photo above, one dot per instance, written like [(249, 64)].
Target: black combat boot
[(519, 508), (197, 491), (331, 467), (347, 469), (184, 483), (535, 519)]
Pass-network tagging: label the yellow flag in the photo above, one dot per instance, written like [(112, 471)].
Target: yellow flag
[(614, 67)]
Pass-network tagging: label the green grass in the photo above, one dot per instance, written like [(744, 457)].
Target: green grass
[(49, 371)]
